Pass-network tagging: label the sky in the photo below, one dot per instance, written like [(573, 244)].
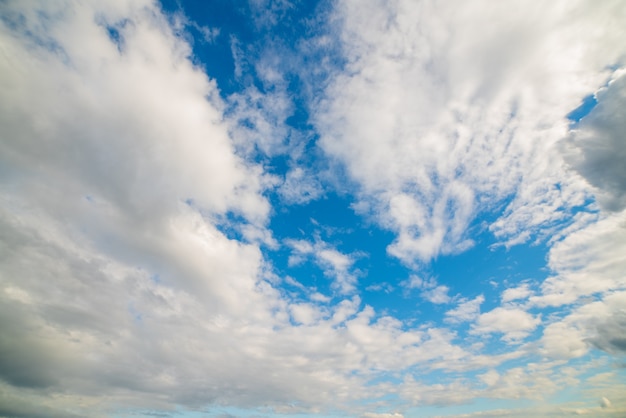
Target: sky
[(312, 208)]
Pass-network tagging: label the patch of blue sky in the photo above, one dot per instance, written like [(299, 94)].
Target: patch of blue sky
[(330, 219), (232, 57), (237, 25), (483, 269), (114, 30), (488, 270), (587, 105), (230, 225), (488, 267), (215, 55)]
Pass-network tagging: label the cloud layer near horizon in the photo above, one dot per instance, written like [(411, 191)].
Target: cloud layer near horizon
[(121, 171)]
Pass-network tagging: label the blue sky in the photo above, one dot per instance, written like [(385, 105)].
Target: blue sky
[(258, 208)]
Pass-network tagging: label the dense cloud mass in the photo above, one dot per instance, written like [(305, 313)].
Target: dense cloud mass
[(611, 334), (596, 148), (141, 210)]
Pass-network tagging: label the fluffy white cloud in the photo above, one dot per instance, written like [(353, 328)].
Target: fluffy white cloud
[(514, 323), (562, 341), (108, 328), (599, 324), (586, 262), (516, 293), (116, 282), (444, 110), (62, 79), (430, 289), (466, 310)]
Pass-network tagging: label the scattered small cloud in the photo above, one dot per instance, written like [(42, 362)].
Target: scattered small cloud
[(335, 264), (516, 293), (466, 310), (430, 289)]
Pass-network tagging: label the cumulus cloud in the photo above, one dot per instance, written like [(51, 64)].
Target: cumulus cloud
[(586, 262), (108, 328), (466, 310), (516, 293), (563, 341), (598, 324), (63, 77), (513, 323), (515, 382), (118, 169), (430, 289)]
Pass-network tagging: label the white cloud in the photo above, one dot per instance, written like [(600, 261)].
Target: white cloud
[(514, 323), (109, 328), (437, 120), (516, 293), (305, 313), (259, 119), (586, 262), (268, 13), (119, 166), (380, 287), (563, 341), (416, 282), (60, 99), (490, 378), (430, 289), (599, 324), (466, 310), (437, 295), (300, 187), (383, 415), (318, 297)]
